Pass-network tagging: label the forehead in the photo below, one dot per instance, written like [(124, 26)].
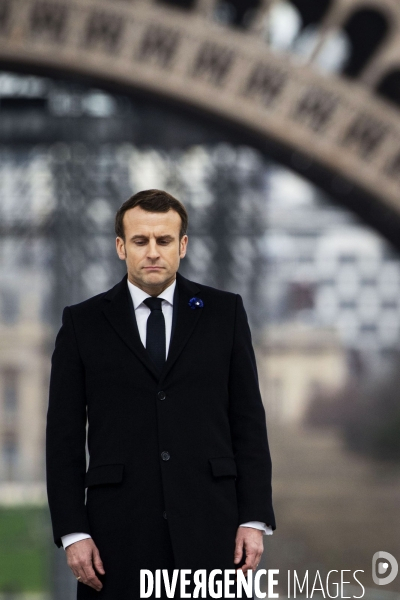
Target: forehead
[(138, 221)]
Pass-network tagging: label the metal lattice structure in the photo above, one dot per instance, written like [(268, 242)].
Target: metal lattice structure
[(284, 99)]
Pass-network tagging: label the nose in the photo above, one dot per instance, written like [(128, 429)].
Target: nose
[(153, 252)]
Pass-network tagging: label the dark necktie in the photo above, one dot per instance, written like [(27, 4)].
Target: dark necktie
[(155, 332)]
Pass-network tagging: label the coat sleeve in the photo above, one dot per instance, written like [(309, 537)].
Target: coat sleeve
[(248, 428), (66, 436)]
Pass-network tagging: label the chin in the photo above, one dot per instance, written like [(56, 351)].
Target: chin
[(154, 277)]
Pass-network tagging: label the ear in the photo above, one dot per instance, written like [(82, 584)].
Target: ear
[(183, 246), (120, 246)]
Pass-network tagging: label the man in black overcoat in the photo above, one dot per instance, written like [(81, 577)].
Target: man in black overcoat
[(159, 372)]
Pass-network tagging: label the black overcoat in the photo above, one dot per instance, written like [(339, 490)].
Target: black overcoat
[(178, 459)]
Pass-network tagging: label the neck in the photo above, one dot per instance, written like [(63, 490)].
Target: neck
[(152, 289)]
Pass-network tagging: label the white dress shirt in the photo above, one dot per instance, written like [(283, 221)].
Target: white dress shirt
[(142, 312)]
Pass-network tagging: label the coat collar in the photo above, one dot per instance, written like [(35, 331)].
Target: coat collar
[(138, 295), (117, 310)]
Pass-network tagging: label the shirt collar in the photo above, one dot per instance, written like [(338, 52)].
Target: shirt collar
[(138, 295)]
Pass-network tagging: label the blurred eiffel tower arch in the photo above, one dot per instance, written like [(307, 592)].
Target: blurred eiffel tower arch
[(316, 82), (313, 83)]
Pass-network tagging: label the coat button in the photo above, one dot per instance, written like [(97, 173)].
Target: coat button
[(165, 455), (161, 395), (164, 514)]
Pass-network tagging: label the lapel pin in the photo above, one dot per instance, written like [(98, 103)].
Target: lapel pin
[(196, 303)]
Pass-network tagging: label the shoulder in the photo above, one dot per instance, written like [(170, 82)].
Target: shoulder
[(206, 290), (96, 302), (218, 302), (217, 293)]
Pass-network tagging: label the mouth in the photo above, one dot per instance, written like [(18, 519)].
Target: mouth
[(152, 268)]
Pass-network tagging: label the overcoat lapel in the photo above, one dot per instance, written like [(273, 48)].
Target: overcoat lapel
[(118, 312), (186, 320), (118, 309)]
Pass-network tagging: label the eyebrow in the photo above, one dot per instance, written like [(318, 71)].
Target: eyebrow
[(145, 237)]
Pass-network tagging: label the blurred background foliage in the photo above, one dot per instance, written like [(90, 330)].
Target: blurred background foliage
[(24, 551)]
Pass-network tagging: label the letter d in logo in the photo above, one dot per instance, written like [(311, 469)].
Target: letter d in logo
[(383, 567)]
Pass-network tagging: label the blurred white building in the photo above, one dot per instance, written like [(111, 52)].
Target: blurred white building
[(329, 270), (295, 362)]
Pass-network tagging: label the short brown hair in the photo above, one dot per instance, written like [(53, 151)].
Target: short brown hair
[(152, 201)]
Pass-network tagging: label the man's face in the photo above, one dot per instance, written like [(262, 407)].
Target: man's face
[(152, 249)]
